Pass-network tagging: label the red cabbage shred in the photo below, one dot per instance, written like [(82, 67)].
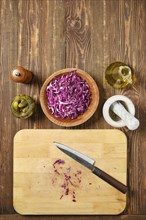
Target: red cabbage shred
[(68, 96)]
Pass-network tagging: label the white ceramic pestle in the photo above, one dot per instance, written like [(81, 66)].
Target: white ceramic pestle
[(130, 121)]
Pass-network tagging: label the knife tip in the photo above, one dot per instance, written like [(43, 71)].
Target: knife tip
[(55, 143)]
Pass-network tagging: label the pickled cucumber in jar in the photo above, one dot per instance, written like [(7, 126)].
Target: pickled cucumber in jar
[(119, 75), (22, 106)]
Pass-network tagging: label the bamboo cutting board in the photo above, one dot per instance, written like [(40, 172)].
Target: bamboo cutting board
[(46, 181)]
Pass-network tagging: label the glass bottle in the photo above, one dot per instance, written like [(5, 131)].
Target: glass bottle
[(119, 75)]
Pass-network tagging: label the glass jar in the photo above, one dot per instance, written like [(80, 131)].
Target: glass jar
[(119, 75)]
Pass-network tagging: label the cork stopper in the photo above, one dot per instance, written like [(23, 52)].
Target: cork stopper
[(20, 75)]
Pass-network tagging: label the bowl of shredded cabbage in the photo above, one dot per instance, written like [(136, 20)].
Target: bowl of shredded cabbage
[(69, 97)]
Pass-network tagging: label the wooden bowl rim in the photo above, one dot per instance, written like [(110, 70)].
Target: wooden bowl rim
[(81, 118)]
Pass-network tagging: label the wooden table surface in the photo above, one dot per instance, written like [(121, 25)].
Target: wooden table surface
[(47, 35)]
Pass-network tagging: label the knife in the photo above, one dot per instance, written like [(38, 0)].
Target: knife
[(89, 163)]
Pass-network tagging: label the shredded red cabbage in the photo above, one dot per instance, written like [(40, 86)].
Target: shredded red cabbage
[(68, 96)]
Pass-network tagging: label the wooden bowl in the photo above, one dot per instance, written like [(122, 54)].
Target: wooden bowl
[(81, 118)]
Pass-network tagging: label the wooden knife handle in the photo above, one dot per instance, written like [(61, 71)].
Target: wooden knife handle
[(109, 179)]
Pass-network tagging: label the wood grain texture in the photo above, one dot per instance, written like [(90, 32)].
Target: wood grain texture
[(37, 188), (47, 35), (119, 217), (78, 34)]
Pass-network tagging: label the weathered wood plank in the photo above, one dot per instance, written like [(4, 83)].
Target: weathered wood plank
[(80, 44), (8, 56), (53, 43), (31, 36), (78, 34), (119, 217), (133, 33)]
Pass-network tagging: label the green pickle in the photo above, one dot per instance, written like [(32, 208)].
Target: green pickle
[(15, 105), (23, 106), (119, 75)]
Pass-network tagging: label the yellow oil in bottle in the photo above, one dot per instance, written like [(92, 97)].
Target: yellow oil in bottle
[(119, 75)]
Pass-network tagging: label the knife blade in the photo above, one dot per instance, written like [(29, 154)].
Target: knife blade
[(89, 163)]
